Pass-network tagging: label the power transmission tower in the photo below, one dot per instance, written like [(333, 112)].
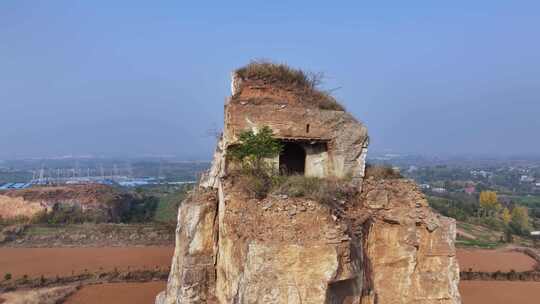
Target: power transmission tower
[(102, 172)]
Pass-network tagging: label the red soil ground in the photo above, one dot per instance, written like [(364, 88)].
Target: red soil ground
[(472, 292), (495, 292), (62, 261), (50, 262), (118, 293), (493, 260)]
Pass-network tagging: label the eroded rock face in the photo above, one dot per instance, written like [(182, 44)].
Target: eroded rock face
[(387, 246), (384, 245), (279, 250), (410, 248), (192, 277)]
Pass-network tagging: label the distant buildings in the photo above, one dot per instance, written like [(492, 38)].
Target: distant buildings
[(125, 182), (470, 190), (425, 186), (148, 181), (9, 186), (481, 173), (526, 179), (439, 190), (433, 189)]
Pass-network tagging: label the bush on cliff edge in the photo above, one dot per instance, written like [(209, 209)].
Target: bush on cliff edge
[(255, 174)]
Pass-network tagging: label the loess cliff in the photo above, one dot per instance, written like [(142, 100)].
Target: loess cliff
[(381, 244), (99, 202)]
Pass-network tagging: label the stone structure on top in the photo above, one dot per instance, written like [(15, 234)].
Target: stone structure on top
[(319, 137)]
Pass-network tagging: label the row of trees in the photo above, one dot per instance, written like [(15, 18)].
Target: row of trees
[(516, 219)]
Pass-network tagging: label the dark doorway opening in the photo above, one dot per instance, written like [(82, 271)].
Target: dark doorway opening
[(292, 159)]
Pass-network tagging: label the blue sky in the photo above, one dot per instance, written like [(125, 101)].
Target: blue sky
[(151, 77)]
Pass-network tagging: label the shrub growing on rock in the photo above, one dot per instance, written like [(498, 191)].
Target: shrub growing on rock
[(254, 148), (252, 151)]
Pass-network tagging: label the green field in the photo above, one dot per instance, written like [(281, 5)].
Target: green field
[(167, 207)]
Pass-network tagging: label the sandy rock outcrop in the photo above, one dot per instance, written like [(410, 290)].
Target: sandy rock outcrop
[(192, 278), (387, 246), (411, 253), (380, 245), (277, 250)]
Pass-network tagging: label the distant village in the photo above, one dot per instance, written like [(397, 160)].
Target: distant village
[(468, 175)]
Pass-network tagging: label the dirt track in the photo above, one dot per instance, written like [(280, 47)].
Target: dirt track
[(118, 293), (493, 260), (50, 262)]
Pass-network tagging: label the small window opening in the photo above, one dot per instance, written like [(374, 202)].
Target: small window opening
[(307, 128)]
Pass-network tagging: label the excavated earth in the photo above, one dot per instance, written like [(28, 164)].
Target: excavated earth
[(101, 200)]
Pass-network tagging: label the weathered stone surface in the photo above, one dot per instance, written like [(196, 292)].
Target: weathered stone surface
[(413, 259), (192, 278), (280, 274), (403, 253), (267, 257), (382, 246)]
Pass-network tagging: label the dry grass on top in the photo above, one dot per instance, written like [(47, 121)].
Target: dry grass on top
[(281, 73), (379, 172), (327, 191), (304, 83)]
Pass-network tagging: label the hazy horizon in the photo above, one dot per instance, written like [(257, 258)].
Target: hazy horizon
[(140, 78)]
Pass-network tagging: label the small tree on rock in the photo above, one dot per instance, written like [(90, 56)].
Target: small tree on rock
[(252, 151), (254, 148)]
